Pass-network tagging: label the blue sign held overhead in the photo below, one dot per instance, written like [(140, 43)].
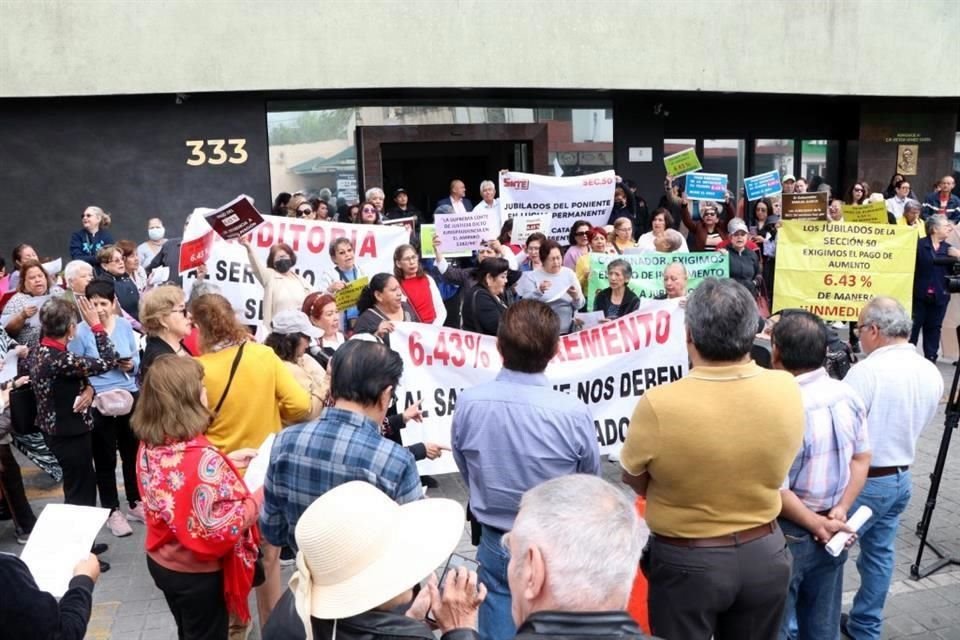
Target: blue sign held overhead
[(705, 186), (763, 185)]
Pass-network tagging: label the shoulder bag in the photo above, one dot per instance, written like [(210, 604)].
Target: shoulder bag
[(233, 371)]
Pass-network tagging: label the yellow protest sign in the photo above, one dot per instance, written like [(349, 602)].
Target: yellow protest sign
[(833, 270), (347, 297), (681, 163), (872, 213)]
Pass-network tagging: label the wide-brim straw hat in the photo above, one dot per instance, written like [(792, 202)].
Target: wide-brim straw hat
[(359, 549)]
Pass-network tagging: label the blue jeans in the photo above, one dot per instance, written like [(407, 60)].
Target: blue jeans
[(496, 616), (887, 496), (816, 587)]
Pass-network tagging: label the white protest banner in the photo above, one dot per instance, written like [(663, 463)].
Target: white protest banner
[(465, 231), (565, 198), (229, 268), (236, 218), (608, 367)]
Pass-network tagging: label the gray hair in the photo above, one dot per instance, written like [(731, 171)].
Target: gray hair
[(487, 183), (625, 269), (676, 263), (56, 317), (912, 204), (74, 268), (374, 191), (443, 208), (674, 239), (888, 316), (202, 288), (722, 319), (935, 221), (590, 537)]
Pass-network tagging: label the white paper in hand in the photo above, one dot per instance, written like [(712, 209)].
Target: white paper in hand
[(9, 370), (839, 539), (256, 473), (62, 537)]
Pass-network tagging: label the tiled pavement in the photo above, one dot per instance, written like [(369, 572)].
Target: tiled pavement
[(127, 605)]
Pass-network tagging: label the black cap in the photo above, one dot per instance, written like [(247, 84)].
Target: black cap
[(398, 191)]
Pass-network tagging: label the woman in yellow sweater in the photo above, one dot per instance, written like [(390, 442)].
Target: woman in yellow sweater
[(250, 391)]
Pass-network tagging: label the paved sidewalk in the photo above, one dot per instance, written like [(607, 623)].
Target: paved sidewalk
[(127, 605)]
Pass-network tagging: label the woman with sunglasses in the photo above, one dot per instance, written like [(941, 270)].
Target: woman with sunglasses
[(305, 211), (164, 317), (857, 194), (369, 214), (579, 243), (707, 232), (85, 243)]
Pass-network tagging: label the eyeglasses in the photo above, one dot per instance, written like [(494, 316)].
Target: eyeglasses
[(304, 212), (580, 234), (857, 189), (368, 210), (182, 310), (710, 212), (412, 258), (861, 327)]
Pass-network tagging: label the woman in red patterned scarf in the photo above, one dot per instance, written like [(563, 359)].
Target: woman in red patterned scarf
[(202, 540)]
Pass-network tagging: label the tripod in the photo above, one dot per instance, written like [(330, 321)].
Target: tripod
[(952, 412)]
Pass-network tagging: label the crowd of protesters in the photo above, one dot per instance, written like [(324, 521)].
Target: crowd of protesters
[(120, 360)]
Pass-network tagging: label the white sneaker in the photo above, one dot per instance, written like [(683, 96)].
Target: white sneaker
[(136, 514), (118, 524)]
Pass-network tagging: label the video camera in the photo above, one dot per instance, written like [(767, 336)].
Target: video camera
[(953, 280)]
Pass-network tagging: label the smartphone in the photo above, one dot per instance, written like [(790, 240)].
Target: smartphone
[(454, 562)]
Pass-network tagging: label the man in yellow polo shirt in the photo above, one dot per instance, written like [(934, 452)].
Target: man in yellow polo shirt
[(710, 453)]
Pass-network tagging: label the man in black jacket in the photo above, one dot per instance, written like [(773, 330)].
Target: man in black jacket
[(585, 535), (27, 613)]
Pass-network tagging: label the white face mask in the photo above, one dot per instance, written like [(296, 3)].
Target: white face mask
[(156, 233)]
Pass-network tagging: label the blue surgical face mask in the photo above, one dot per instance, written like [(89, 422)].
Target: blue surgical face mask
[(156, 233)]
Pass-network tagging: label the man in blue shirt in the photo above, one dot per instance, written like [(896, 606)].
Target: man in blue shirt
[(512, 434), (344, 444)]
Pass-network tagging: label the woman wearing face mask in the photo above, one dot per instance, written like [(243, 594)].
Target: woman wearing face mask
[(283, 288), (155, 239), (85, 243)]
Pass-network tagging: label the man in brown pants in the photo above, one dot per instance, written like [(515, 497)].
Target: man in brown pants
[(717, 562)]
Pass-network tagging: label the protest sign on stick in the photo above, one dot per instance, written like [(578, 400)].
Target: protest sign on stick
[(235, 219), (871, 213), (465, 231), (763, 185), (566, 199), (833, 270), (682, 162), (706, 186), (804, 206), (348, 297)]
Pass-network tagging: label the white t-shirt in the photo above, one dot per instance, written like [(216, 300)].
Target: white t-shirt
[(901, 391)]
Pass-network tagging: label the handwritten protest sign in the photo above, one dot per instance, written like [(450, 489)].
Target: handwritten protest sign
[(608, 367), (763, 185), (871, 212), (833, 270), (565, 199), (465, 231), (682, 162), (234, 219), (706, 186), (804, 206), (347, 297), (648, 267), (427, 232), (228, 265)]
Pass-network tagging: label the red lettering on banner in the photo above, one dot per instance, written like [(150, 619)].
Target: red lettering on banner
[(516, 183), (610, 338), (596, 182), (313, 238), (615, 338)]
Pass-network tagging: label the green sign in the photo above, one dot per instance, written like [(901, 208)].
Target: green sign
[(682, 163), (426, 245), (648, 267)]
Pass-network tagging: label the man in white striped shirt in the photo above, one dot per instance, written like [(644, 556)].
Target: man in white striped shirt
[(824, 480)]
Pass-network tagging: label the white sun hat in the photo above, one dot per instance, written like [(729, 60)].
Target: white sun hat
[(359, 549)]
